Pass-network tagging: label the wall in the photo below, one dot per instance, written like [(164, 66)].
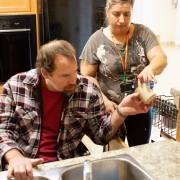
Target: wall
[(80, 22), (159, 15), (177, 39)]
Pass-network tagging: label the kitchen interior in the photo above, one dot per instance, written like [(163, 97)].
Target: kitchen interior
[(27, 24)]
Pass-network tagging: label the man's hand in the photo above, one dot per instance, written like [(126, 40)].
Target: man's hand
[(129, 105), (19, 166)]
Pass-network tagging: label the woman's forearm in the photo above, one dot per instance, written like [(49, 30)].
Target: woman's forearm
[(158, 60), (158, 64)]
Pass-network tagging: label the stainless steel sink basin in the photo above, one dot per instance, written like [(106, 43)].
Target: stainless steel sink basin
[(123, 167), (40, 178)]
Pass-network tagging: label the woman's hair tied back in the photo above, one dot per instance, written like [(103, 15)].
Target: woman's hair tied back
[(109, 3)]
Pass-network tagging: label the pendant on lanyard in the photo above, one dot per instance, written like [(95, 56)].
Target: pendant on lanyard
[(123, 62), (124, 77), (126, 88)]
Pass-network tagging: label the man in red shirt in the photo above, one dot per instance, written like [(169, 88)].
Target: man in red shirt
[(45, 112)]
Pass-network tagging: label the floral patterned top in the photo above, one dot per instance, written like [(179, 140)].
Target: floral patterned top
[(102, 51)]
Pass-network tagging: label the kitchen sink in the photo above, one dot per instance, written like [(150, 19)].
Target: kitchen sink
[(122, 167), (40, 178)]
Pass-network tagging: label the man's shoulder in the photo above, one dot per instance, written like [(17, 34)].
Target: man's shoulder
[(87, 91), (28, 77), (86, 84)]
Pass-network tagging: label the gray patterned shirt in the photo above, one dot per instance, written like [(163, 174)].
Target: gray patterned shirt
[(100, 50)]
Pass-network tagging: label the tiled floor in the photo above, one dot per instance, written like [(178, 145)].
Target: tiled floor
[(170, 78)]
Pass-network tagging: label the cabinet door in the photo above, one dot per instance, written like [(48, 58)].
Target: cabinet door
[(14, 5), (1, 85)]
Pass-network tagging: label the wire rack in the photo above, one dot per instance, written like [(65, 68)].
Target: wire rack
[(165, 116)]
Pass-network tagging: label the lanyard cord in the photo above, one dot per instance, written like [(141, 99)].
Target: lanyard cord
[(124, 62)]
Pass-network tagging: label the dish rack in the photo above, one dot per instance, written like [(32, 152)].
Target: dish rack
[(165, 116)]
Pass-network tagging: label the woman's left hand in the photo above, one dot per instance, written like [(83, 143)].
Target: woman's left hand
[(146, 75), (110, 106)]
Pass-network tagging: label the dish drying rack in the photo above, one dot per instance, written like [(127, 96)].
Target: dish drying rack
[(166, 117)]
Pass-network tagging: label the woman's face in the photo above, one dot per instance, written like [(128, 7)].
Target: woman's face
[(119, 17)]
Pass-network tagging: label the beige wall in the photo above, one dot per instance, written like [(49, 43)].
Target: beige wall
[(159, 15)]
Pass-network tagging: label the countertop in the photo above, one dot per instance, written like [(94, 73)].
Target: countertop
[(160, 159)]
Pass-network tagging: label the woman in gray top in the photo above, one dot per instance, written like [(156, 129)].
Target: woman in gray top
[(120, 57)]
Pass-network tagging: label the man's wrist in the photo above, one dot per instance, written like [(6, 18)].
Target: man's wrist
[(11, 154), (120, 113)]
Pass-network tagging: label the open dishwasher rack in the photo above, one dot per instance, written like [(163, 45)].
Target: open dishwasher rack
[(165, 116)]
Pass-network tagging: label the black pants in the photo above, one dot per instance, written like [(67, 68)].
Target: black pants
[(139, 128)]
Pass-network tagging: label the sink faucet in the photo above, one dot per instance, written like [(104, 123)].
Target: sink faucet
[(87, 170)]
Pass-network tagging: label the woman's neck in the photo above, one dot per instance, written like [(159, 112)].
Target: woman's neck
[(115, 33), (121, 38)]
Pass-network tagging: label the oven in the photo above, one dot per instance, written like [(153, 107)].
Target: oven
[(18, 45)]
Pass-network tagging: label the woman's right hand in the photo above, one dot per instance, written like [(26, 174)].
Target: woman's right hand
[(110, 106)]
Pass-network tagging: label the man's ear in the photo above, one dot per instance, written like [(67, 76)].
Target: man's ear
[(44, 73)]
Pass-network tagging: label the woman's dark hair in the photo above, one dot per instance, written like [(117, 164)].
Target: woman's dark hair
[(49, 51)]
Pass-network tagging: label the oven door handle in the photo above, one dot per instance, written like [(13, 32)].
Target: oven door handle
[(14, 30)]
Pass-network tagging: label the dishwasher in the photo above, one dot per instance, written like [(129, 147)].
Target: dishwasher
[(166, 115)]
